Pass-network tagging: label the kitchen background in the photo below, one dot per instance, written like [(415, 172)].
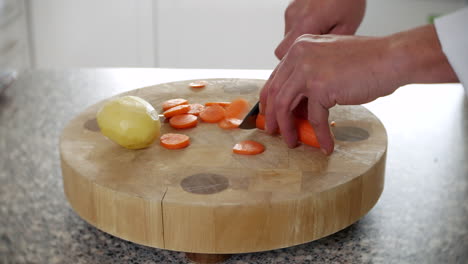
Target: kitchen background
[(171, 33)]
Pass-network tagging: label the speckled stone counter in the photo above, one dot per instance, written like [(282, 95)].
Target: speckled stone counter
[(421, 217)]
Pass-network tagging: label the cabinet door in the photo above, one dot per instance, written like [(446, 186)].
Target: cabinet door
[(218, 34), (89, 33)]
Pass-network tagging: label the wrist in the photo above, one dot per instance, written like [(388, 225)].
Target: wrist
[(417, 57)]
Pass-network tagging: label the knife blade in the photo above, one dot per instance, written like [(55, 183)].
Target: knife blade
[(249, 121)]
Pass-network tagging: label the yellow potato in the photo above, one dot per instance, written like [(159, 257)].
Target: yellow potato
[(129, 121)]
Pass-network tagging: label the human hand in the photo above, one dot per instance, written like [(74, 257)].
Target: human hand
[(341, 17), (319, 72)]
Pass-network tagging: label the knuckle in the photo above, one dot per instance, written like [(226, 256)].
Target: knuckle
[(322, 90), (299, 47)]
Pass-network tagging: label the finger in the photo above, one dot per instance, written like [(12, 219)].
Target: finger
[(318, 118), (285, 44), (341, 29), (264, 92), (288, 98), (285, 68)]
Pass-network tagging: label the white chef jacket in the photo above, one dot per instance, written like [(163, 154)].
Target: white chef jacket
[(452, 31)]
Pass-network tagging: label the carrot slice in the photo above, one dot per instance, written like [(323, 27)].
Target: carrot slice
[(229, 123), (223, 104), (195, 109), (237, 109), (198, 84), (212, 114), (183, 121), (305, 131), (173, 102), (176, 110), (248, 147), (174, 141)]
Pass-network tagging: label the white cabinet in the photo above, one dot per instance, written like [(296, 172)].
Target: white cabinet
[(385, 17), (188, 33), (244, 33), (88, 33)]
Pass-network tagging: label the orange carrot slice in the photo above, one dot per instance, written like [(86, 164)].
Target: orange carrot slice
[(223, 104), (229, 123), (248, 147), (212, 114), (198, 84), (173, 102), (195, 109), (237, 109), (183, 121), (176, 110), (305, 131), (174, 141)]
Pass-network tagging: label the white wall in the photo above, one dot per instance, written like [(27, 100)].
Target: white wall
[(88, 33)]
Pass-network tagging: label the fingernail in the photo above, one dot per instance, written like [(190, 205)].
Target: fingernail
[(323, 151)]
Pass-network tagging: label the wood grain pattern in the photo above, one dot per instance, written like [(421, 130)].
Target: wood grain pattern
[(205, 199)]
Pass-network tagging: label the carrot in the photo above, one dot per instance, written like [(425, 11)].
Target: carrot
[(305, 131), (212, 114), (173, 102), (248, 147), (176, 110), (223, 104), (198, 84), (228, 123), (195, 109), (174, 141), (260, 122), (183, 121), (237, 109)]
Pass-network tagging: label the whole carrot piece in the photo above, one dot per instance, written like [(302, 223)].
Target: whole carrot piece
[(305, 131)]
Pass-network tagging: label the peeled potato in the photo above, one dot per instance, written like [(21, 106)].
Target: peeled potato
[(129, 121)]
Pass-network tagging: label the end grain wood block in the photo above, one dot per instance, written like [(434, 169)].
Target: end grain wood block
[(204, 198)]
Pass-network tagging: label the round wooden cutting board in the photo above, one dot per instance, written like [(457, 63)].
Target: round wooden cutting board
[(205, 199)]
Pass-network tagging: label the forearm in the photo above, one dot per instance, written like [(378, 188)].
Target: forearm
[(417, 57)]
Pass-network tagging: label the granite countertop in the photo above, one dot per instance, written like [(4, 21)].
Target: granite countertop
[(421, 217)]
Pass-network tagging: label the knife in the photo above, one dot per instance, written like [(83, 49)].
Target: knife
[(249, 120)]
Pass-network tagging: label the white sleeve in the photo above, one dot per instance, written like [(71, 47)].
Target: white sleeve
[(452, 31)]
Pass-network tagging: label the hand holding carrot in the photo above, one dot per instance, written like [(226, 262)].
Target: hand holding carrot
[(319, 72)]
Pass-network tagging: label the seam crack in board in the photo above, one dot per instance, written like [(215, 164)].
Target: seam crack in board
[(162, 217)]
